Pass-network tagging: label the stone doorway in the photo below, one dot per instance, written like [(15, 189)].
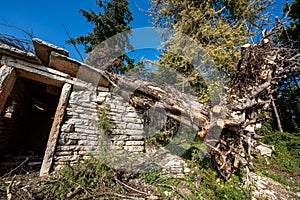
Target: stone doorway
[(25, 124)]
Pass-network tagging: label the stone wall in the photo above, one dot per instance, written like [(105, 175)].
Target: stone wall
[(129, 130), (79, 134), (74, 130)]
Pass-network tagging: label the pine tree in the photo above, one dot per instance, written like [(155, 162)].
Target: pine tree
[(219, 27), (111, 24), (293, 29), (288, 88)]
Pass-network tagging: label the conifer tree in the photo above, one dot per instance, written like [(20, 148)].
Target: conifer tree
[(293, 10), (112, 20), (220, 27), (288, 88)]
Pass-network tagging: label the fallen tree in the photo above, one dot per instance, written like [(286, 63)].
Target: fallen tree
[(250, 92)]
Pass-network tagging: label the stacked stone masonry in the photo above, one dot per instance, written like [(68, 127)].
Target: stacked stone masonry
[(80, 130), (78, 133)]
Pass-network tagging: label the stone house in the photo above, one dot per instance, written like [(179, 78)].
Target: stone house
[(48, 107)]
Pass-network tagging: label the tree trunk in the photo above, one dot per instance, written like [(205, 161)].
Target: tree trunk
[(276, 114)]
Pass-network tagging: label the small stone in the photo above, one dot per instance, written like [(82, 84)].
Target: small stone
[(264, 151), (68, 128), (135, 132), (134, 126), (136, 137), (217, 109), (134, 148), (135, 143), (258, 126), (167, 193), (120, 137), (119, 143), (249, 128)]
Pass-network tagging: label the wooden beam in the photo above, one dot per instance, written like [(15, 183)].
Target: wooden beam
[(14, 61), (78, 69), (7, 81), (43, 74), (17, 53), (40, 74), (43, 50), (54, 133)]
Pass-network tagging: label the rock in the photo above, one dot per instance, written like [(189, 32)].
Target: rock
[(264, 150), (217, 109), (135, 143), (167, 193), (43, 50), (17, 53), (173, 165), (134, 126), (246, 46), (77, 69), (134, 148), (249, 128), (68, 128), (258, 126), (267, 188)]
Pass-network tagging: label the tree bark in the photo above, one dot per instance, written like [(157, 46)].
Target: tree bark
[(181, 107), (276, 114)]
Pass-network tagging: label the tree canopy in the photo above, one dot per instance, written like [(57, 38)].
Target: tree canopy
[(114, 17), (293, 13), (110, 23), (219, 27), (288, 89)]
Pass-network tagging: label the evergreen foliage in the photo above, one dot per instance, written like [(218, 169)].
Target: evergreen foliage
[(219, 27), (110, 23), (294, 15), (288, 89), (114, 17)]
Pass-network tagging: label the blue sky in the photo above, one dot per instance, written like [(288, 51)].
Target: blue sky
[(45, 19)]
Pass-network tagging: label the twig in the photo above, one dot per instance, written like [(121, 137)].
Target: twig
[(128, 197), (67, 32), (20, 165), (3, 183), (96, 195), (30, 35), (138, 191), (174, 189), (8, 189), (71, 194)]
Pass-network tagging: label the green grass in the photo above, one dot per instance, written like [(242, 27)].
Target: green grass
[(88, 177), (211, 185), (284, 164), (92, 177), (214, 187)]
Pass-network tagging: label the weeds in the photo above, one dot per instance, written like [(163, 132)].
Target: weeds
[(202, 183), (284, 163), (105, 124), (86, 178)]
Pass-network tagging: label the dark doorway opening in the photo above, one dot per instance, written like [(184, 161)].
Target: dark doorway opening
[(25, 124)]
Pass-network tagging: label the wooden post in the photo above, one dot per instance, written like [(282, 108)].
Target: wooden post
[(8, 78), (54, 133)]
